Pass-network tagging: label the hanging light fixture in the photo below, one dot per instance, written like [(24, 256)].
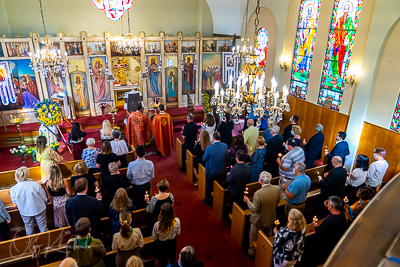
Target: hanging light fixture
[(113, 9), (250, 90), (48, 59), (129, 44)]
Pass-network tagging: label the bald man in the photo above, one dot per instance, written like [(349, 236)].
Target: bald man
[(334, 182), (68, 262), (250, 136)]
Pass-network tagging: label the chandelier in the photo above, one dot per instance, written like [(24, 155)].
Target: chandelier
[(48, 59), (113, 9), (250, 93), (129, 44)]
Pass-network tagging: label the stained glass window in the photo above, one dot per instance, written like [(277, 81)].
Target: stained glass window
[(342, 34), (304, 46), (395, 125)]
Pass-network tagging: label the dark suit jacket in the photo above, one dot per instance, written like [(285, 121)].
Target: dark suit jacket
[(287, 132), (341, 149), (215, 158), (81, 206), (334, 183), (237, 179), (274, 147), (111, 184), (313, 149)]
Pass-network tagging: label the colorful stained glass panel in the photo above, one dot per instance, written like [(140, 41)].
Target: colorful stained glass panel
[(304, 47), (344, 24), (395, 124)]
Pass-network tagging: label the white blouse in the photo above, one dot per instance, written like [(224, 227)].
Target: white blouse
[(357, 177), (119, 147)]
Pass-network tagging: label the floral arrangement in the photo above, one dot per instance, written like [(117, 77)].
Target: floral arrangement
[(206, 103), (54, 145), (31, 151), (48, 112), (20, 150), (103, 105)]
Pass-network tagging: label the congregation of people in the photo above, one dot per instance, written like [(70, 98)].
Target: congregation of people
[(256, 156), (252, 156)]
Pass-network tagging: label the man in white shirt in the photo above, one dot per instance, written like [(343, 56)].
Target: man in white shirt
[(377, 169)]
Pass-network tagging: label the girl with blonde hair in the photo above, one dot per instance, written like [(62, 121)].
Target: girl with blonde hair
[(296, 132), (288, 244), (47, 157), (106, 131), (58, 191), (120, 203), (127, 241)]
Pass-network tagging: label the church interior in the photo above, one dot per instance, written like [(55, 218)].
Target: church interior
[(87, 73)]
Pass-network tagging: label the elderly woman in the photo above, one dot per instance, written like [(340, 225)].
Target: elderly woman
[(154, 206), (89, 155), (288, 244), (30, 198), (257, 159)]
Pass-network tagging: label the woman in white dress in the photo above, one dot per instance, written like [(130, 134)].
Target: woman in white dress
[(209, 125), (47, 157)]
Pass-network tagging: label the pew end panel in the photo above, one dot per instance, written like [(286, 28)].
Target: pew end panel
[(220, 199), (202, 181), (179, 152), (189, 165), (264, 251), (238, 226)]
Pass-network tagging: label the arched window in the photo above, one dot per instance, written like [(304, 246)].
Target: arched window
[(304, 47), (338, 52), (395, 124)]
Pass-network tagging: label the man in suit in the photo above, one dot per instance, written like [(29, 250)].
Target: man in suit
[(333, 183), (341, 149), (238, 177), (189, 135), (187, 257), (82, 205), (215, 159), (274, 147), (313, 149), (250, 136), (113, 182), (263, 209), (287, 132)]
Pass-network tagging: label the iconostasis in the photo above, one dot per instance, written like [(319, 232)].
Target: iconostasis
[(169, 68)]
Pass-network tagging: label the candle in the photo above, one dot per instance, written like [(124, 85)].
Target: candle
[(247, 191), (345, 200), (276, 99), (222, 96), (237, 99), (216, 85), (277, 222), (230, 81), (97, 190), (315, 219), (285, 93), (147, 194), (273, 85), (280, 155)]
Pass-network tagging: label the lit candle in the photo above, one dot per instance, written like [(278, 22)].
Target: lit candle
[(273, 85), (277, 222), (285, 94), (345, 200), (280, 155), (276, 99), (147, 194), (315, 219), (247, 191), (216, 85), (230, 81), (237, 99)]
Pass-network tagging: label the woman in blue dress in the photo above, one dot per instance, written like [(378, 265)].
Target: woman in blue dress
[(257, 159)]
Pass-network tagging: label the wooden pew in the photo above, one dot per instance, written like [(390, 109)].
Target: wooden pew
[(221, 196), (7, 178), (264, 249), (239, 216), (179, 152), (201, 180), (189, 165)]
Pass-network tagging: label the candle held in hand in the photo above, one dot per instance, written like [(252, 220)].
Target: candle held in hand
[(315, 219), (345, 200), (280, 155), (277, 222)]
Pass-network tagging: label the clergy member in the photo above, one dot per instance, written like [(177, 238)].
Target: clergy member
[(138, 131), (163, 132)]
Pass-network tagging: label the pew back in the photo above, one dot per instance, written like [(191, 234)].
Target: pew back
[(179, 152), (201, 180)]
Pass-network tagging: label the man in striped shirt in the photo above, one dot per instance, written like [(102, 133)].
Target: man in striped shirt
[(287, 162)]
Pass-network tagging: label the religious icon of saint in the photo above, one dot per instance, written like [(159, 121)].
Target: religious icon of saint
[(99, 79), (79, 89), (188, 76), (171, 86), (154, 73)]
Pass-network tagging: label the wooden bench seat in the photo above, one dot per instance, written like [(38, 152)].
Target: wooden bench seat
[(240, 217)]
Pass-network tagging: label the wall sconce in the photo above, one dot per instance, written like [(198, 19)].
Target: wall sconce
[(350, 80), (284, 63)]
